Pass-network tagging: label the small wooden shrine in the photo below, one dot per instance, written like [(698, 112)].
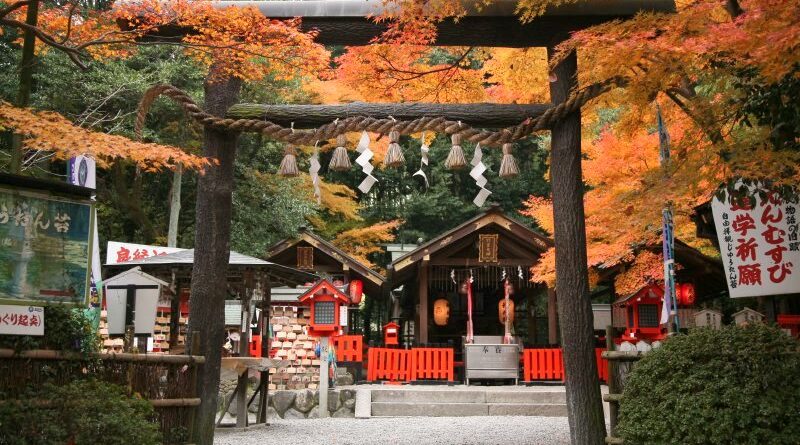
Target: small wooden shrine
[(310, 252), (487, 250)]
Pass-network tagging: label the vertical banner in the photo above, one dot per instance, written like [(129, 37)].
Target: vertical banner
[(81, 171), (669, 306), (758, 240)]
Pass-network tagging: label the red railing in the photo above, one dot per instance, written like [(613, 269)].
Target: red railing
[(406, 365), (548, 364), (432, 364), (542, 364), (389, 364), (349, 348)]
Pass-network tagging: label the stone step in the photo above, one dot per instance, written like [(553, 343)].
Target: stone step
[(534, 397), (428, 395), (416, 409), (528, 409)]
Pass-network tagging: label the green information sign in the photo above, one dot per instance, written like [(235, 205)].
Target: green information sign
[(44, 248)]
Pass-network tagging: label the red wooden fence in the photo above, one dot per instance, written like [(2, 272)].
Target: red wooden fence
[(542, 364), (406, 365), (548, 364), (432, 364), (389, 364), (349, 348)]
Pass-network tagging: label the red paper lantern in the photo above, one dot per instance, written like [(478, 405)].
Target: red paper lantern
[(686, 295), (356, 291)]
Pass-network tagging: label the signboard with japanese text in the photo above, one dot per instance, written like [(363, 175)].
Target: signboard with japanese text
[(21, 320), (123, 252), (759, 245), (44, 248)]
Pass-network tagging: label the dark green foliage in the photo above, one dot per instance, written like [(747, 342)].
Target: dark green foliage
[(732, 386), (81, 412), (65, 329)]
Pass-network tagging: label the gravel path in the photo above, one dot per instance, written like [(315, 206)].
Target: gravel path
[(410, 430)]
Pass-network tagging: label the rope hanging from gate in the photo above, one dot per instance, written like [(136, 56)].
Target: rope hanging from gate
[(331, 130)]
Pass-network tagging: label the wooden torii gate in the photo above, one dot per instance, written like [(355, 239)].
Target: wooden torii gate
[(345, 22)]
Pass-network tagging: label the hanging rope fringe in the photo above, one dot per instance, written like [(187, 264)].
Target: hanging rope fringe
[(478, 168), (423, 162), (362, 123), (340, 161), (289, 163), (455, 159), (394, 155), (364, 161), (508, 167)]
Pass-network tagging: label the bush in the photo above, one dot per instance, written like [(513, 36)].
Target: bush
[(731, 386), (82, 412)]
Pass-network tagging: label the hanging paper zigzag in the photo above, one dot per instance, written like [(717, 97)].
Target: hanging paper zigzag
[(478, 168), (364, 161), (423, 161)]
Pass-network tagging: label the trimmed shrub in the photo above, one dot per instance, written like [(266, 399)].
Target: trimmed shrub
[(82, 412), (737, 385)]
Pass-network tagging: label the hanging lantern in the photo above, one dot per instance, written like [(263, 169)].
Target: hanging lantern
[(501, 311), (508, 166), (289, 163), (455, 159), (686, 295), (441, 312), (340, 161), (356, 291), (394, 155)]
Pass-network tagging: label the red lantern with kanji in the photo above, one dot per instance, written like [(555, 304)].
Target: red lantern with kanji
[(325, 300), (356, 291), (686, 295)]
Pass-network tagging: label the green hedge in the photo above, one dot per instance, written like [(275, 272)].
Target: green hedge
[(730, 386), (81, 412)]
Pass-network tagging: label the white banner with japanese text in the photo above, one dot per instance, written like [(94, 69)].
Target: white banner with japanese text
[(123, 252), (21, 320), (759, 246)]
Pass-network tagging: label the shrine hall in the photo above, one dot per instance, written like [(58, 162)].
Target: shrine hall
[(428, 284)]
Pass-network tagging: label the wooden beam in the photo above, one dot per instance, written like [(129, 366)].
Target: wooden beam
[(485, 115), (473, 262)]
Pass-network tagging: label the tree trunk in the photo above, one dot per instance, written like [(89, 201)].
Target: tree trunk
[(212, 250), (584, 405), (174, 207), (25, 88)]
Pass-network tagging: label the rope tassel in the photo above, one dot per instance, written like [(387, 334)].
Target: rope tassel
[(340, 161), (508, 166), (394, 155), (455, 159), (289, 163)]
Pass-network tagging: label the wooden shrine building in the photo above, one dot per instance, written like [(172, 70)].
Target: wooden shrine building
[(486, 248), (310, 252)]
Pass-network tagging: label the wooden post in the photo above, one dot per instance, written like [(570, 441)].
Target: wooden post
[(266, 309), (584, 404), (244, 351), (552, 317), (423, 302), (613, 387), (324, 369), (530, 296)]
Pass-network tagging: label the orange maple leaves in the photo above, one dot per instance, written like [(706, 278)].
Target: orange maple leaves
[(52, 132), (364, 241)]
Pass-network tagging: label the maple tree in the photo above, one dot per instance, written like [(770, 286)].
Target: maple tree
[(51, 132), (362, 242)]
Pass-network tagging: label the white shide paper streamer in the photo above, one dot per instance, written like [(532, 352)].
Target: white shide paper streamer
[(424, 148), (364, 161), (478, 168)]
